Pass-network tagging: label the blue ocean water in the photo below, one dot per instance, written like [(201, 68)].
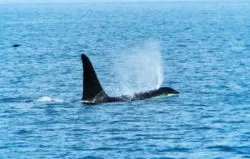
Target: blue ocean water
[(204, 50)]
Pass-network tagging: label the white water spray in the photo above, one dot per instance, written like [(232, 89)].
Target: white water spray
[(140, 69)]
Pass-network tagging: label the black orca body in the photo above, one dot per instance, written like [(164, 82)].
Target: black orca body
[(16, 45), (93, 92)]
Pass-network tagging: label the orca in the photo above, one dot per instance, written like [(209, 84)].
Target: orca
[(16, 45), (93, 93)]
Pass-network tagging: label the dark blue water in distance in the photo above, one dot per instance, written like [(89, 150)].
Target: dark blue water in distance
[(201, 49)]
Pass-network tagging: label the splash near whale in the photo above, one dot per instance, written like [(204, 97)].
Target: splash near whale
[(93, 93)]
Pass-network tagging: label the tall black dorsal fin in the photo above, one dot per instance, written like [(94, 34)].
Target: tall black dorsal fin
[(92, 88)]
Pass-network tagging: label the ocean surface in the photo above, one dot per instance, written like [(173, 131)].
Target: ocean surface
[(201, 49)]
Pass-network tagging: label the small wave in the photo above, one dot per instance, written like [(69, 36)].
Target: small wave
[(239, 150), (223, 148), (15, 100), (92, 157), (48, 99)]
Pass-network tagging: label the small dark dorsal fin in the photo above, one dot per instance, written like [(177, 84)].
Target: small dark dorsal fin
[(92, 88)]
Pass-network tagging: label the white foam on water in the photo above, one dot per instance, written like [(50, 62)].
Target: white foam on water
[(140, 69), (48, 99)]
